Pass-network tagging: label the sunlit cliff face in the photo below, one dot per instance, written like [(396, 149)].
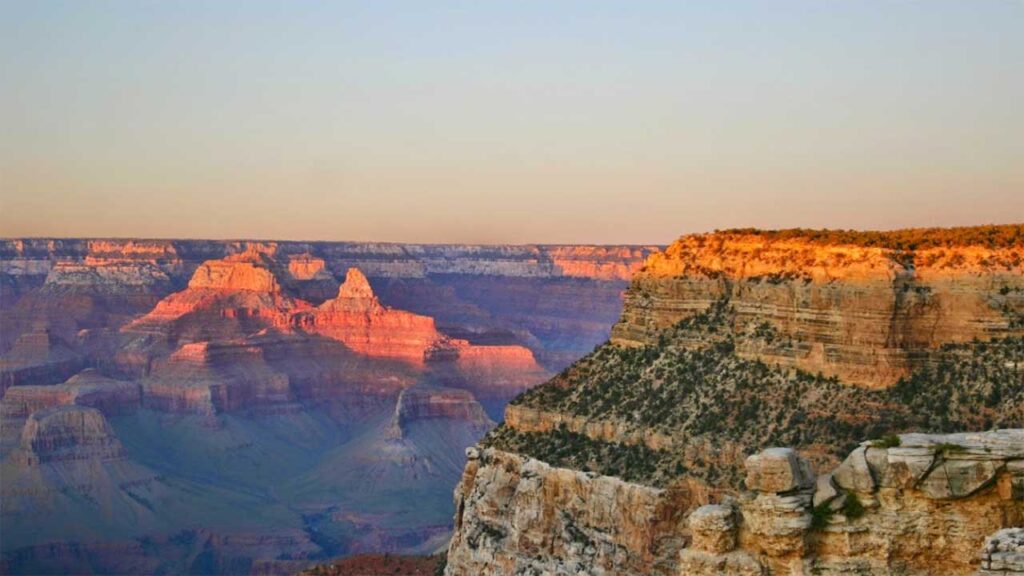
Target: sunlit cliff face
[(856, 312)]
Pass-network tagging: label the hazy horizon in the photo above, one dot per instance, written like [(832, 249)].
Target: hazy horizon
[(524, 123)]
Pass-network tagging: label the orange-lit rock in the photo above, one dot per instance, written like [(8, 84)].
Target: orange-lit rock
[(357, 319), (859, 313), (307, 267)]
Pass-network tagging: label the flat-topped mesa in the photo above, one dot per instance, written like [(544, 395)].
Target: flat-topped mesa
[(307, 267), (492, 372), (865, 307), (242, 272), (418, 404), (67, 433)]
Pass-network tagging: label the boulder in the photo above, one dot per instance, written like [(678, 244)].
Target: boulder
[(714, 528), (1003, 553), (778, 470)]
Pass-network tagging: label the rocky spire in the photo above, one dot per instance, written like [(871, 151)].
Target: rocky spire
[(355, 286)]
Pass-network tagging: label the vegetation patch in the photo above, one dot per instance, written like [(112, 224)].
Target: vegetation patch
[(691, 386)]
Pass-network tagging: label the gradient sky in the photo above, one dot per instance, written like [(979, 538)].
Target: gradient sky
[(495, 122)]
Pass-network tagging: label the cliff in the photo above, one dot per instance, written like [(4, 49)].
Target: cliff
[(864, 309), (732, 343), (924, 506), (418, 404), (67, 433), (88, 388)]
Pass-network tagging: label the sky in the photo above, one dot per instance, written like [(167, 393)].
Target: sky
[(507, 122)]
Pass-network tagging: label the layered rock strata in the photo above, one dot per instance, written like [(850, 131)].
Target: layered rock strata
[(862, 313), (1003, 553), (924, 506), (67, 433), (88, 388)]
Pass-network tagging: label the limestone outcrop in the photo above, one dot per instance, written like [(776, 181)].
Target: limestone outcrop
[(516, 515), (1003, 553), (921, 505)]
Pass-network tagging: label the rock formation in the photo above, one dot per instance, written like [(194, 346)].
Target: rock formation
[(862, 313), (1003, 553), (208, 378), (924, 506), (482, 288), (275, 401), (67, 433), (732, 343), (418, 404), (88, 388), (38, 356), (357, 319)]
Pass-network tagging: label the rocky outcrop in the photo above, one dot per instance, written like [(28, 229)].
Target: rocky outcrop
[(67, 433), (358, 319), (209, 378), (421, 403), (491, 372), (516, 515), (921, 505), (311, 278), (39, 356), (228, 298), (866, 314), (234, 274), (1003, 553), (527, 419), (88, 388)]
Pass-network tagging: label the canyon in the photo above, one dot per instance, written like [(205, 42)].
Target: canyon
[(247, 406), (774, 402)]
